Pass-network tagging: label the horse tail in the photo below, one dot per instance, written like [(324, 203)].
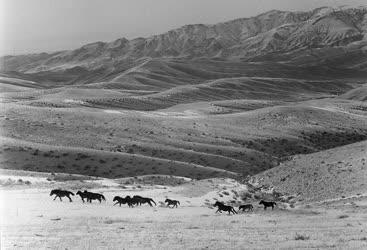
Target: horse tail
[(71, 193), (178, 203), (153, 201), (103, 197)]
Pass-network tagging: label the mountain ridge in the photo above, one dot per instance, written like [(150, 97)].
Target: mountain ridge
[(239, 39)]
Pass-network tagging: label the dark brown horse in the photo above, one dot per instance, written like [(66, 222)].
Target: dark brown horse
[(142, 200), (222, 207), (61, 193), (268, 204), (172, 202), (82, 195), (92, 196), (119, 200), (248, 207)]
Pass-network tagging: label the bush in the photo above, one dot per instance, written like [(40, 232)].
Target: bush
[(301, 237), (343, 216)]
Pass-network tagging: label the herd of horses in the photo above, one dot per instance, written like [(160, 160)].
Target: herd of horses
[(138, 200)]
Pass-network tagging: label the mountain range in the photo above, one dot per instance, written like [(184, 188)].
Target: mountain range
[(336, 38)]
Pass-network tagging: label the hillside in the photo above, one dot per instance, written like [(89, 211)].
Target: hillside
[(358, 94), (222, 135), (331, 174)]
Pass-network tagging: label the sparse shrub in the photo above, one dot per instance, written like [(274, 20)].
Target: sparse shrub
[(301, 237), (343, 216), (245, 195)]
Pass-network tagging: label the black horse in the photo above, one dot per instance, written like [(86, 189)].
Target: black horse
[(248, 207), (268, 204), (142, 200), (172, 202), (93, 196), (119, 200), (222, 207), (61, 193)]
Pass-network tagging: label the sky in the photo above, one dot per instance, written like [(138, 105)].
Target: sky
[(30, 26)]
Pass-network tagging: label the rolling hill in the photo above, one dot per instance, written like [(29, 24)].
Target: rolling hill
[(229, 99)]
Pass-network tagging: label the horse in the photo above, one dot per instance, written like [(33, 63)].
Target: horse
[(222, 207), (82, 195), (93, 196), (142, 200), (61, 193), (268, 204), (120, 200), (248, 207), (172, 202)]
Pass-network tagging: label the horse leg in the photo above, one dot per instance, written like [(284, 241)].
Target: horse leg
[(60, 198), (70, 198), (55, 197)]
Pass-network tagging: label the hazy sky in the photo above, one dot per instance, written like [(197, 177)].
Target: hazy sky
[(28, 26)]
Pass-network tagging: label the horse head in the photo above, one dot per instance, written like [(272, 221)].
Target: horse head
[(216, 204)]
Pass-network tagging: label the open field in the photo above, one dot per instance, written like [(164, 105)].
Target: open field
[(31, 214)]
